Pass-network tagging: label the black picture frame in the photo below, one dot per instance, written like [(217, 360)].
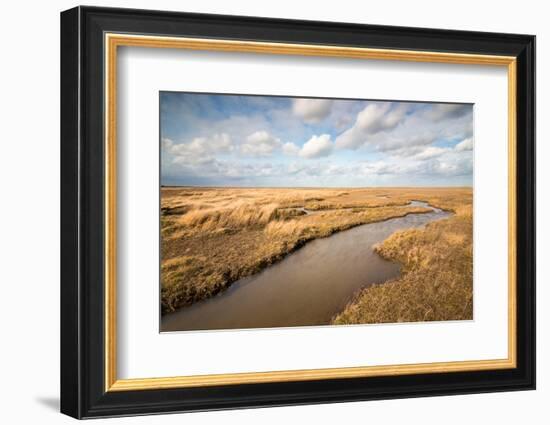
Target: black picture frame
[(83, 392)]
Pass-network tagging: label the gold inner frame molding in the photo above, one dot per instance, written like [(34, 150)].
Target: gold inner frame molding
[(113, 41)]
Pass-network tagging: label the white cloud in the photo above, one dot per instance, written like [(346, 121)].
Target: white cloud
[(317, 146), (378, 168), (431, 152), (447, 167), (465, 145), (291, 149), (200, 146), (295, 168), (443, 166), (260, 143), (404, 129), (444, 111), (375, 118), (199, 151), (195, 161), (209, 167), (167, 143), (312, 110), (402, 144)]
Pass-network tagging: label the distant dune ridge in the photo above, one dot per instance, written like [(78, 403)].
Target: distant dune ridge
[(212, 237)]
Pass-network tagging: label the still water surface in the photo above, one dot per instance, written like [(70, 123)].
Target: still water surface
[(308, 287)]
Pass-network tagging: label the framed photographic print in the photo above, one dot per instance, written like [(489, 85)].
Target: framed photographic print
[(261, 212)]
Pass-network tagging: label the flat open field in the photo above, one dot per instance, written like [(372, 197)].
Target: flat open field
[(212, 237)]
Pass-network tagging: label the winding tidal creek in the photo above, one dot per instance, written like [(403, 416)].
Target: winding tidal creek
[(308, 287)]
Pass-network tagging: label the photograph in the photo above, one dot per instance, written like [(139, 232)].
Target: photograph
[(282, 212)]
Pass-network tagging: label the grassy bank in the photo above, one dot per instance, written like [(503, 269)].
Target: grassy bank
[(436, 281), (212, 237)]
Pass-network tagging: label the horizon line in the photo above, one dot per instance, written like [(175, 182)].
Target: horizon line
[(312, 187)]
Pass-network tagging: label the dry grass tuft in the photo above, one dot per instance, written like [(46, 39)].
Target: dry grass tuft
[(436, 282)]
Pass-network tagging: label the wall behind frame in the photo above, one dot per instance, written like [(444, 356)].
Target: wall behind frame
[(29, 219)]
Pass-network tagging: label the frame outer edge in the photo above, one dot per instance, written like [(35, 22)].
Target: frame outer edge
[(529, 57), (533, 127), (70, 347)]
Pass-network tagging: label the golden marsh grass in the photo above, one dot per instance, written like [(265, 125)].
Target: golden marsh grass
[(436, 280), (212, 237)]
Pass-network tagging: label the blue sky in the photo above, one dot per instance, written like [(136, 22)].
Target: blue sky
[(235, 140)]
